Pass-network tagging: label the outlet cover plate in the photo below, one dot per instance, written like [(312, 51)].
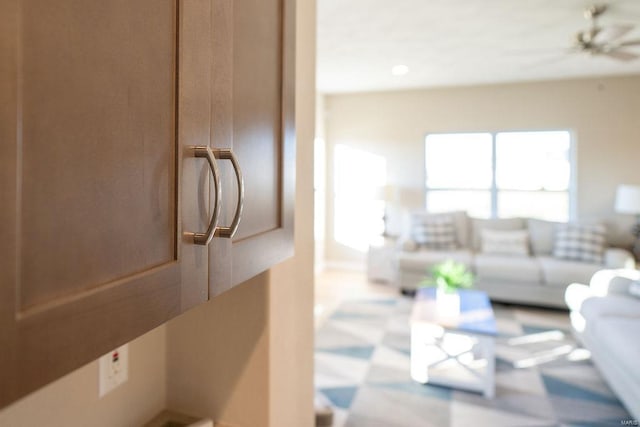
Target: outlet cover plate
[(113, 369)]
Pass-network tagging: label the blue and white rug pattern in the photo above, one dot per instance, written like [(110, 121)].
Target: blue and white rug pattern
[(362, 359)]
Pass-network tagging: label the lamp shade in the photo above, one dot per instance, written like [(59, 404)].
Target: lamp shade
[(384, 192), (628, 199)]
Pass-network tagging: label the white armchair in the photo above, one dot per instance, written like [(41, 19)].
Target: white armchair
[(605, 317)]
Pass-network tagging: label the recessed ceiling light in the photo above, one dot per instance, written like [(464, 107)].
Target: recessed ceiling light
[(399, 70)]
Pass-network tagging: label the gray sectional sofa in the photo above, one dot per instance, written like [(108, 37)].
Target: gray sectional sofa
[(605, 317), (537, 278)]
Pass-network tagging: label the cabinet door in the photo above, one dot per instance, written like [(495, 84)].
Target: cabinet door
[(100, 101), (254, 116)]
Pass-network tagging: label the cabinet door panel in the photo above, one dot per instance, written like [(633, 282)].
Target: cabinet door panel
[(257, 109), (96, 172), (262, 136), (98, 166)]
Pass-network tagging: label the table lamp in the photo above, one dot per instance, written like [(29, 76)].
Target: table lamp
[(628, 202)]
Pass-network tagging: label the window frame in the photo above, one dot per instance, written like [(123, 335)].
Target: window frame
[(494, 190)]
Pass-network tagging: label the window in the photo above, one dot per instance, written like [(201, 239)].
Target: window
[(459, 173), (506, 174)]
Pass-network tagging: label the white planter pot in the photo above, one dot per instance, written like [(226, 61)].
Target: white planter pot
[(448, 304)]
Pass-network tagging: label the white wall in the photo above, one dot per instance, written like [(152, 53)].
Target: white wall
[(292, 282), (603, 114), (320, 181), (73, 400)]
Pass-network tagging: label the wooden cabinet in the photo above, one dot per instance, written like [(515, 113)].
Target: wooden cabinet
[(102, 102), (253, 115)]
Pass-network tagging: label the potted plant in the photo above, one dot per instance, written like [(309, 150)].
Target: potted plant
[(448, 277)]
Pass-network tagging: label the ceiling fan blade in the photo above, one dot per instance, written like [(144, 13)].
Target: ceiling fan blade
[(611, 33), (536, 51), (621, 55), (629, 43)]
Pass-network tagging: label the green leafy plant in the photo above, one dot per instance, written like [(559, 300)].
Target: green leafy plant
[(449, 276)]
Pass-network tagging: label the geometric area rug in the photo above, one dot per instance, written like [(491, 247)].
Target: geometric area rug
[(362, 359)]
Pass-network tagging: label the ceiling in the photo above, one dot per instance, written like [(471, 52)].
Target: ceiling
[(461, 42)]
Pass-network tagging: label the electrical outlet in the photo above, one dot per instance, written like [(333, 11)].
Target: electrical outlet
[(113, 369)]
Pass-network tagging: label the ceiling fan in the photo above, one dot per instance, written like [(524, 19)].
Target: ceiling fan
[(605, 40)]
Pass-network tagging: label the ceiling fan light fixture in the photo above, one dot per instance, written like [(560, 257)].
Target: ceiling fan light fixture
[(592, 12), (604, 40)]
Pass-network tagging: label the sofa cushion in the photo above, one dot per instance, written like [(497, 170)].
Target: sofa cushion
[(436, 232), (541, 235), (501, 267), (559, 272), (479, 224), (580, 242), (596, 309), (505, 242), (460, 222), (424, 259), (620, 339), (634, 288)]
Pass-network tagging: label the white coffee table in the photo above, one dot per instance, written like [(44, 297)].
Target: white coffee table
[(455, 350)]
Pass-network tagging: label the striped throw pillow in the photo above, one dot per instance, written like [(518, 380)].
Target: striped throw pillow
[(578, 242), (436, 232)]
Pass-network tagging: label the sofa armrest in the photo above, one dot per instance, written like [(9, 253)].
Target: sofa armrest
[(618, 258), (576, 294), (613, 281)]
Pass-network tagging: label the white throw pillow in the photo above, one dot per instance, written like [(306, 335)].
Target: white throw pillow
[(502, 224), (580, 242), (505, 242)]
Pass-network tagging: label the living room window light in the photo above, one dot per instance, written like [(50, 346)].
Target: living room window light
[(501, 174)]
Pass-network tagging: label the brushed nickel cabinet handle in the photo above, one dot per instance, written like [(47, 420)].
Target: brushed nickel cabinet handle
[(204, 151), (227, 154)]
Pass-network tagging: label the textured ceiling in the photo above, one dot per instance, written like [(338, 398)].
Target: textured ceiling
[(460, 42)]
